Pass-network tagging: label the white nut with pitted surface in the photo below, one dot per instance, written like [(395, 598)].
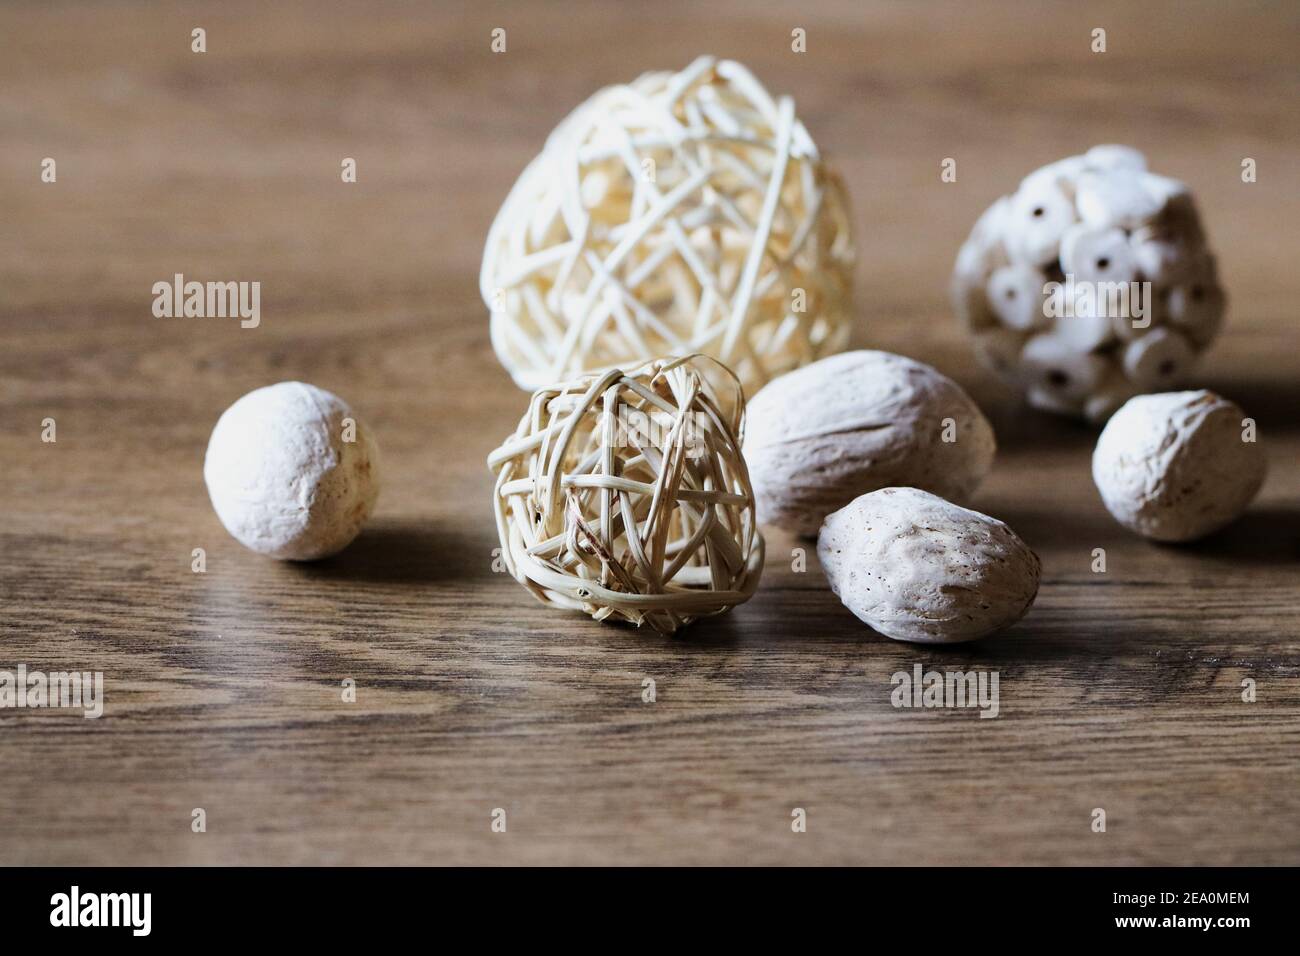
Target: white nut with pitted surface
[(1090, 284), (822, 435), (918, 568), (1178, 465), (292, 472)]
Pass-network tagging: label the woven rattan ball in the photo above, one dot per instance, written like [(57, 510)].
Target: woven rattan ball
[(684, 212), (625, 495), (1090, 284)]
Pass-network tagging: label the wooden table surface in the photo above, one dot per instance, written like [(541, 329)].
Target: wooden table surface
[(1120, 691)]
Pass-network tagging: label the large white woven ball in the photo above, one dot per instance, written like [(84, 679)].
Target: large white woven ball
[(292, 472), (625, 495), (1054, 278), (684, 212)]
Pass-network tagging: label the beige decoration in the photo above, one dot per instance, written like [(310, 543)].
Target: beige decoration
[(918, 568), (684, 212), (1178, 466), (1090, 284), (625, 495), (854, 422), (292, 471)]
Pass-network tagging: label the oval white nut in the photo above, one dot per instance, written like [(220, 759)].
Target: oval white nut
[(918, 568), (820, 436), (292, 472), (1176, 466)]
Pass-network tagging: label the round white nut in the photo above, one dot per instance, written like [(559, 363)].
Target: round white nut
[(1176, 466), (292, 472), (818, 437), (918, 568)]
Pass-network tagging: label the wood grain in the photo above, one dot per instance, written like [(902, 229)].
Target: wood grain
[(1120, 690)]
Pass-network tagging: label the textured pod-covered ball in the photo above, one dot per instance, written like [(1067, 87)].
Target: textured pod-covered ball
[(1178, 466), (1090, 284), (292, 472), (918, 568), (852, 423), (625, 495), (683, 212)]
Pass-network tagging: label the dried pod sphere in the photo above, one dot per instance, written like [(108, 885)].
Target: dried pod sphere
[(1179, 465), (825, 434), (1090, 284), (625, 495), (292, 472), (918, 568), (684, 212)]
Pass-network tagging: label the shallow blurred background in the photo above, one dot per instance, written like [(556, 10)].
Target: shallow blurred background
[(1120, 692)]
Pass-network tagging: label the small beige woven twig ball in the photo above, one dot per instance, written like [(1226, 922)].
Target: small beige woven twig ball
[(625, 495), (680, 213), (1090, 284)]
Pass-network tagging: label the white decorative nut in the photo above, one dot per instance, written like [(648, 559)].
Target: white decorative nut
[(292, 472), (818, 437), (918, 568), (1176, 466), (1113, 253)]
